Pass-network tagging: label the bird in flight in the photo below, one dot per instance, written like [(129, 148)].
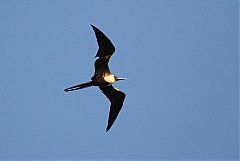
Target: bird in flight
[(103, 78)]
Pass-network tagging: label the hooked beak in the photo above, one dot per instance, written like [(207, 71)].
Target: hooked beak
[(121, 79)]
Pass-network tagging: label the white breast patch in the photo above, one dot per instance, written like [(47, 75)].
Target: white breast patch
[(109, 79)]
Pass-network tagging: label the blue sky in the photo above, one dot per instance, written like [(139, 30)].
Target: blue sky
[(180, 58)]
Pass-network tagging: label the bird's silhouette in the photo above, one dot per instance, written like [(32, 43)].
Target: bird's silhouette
[(103, 78)]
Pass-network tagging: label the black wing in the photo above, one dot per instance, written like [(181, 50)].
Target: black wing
[(116, 98), (106, 48), (101, 68)]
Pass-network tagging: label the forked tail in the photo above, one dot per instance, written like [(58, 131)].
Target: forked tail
[(79, 86)]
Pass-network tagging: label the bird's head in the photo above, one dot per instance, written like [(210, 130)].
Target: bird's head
[(117, 78)]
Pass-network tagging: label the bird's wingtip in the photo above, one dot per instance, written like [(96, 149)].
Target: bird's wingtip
[(107, 129), (92, 26)]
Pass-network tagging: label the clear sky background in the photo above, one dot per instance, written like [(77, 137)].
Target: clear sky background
[(180, 58)]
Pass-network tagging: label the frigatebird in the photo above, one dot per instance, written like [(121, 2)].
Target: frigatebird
[(103, 78)]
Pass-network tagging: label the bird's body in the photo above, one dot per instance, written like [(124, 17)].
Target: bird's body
[(103, 78), (109, 79), (102, 73)]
